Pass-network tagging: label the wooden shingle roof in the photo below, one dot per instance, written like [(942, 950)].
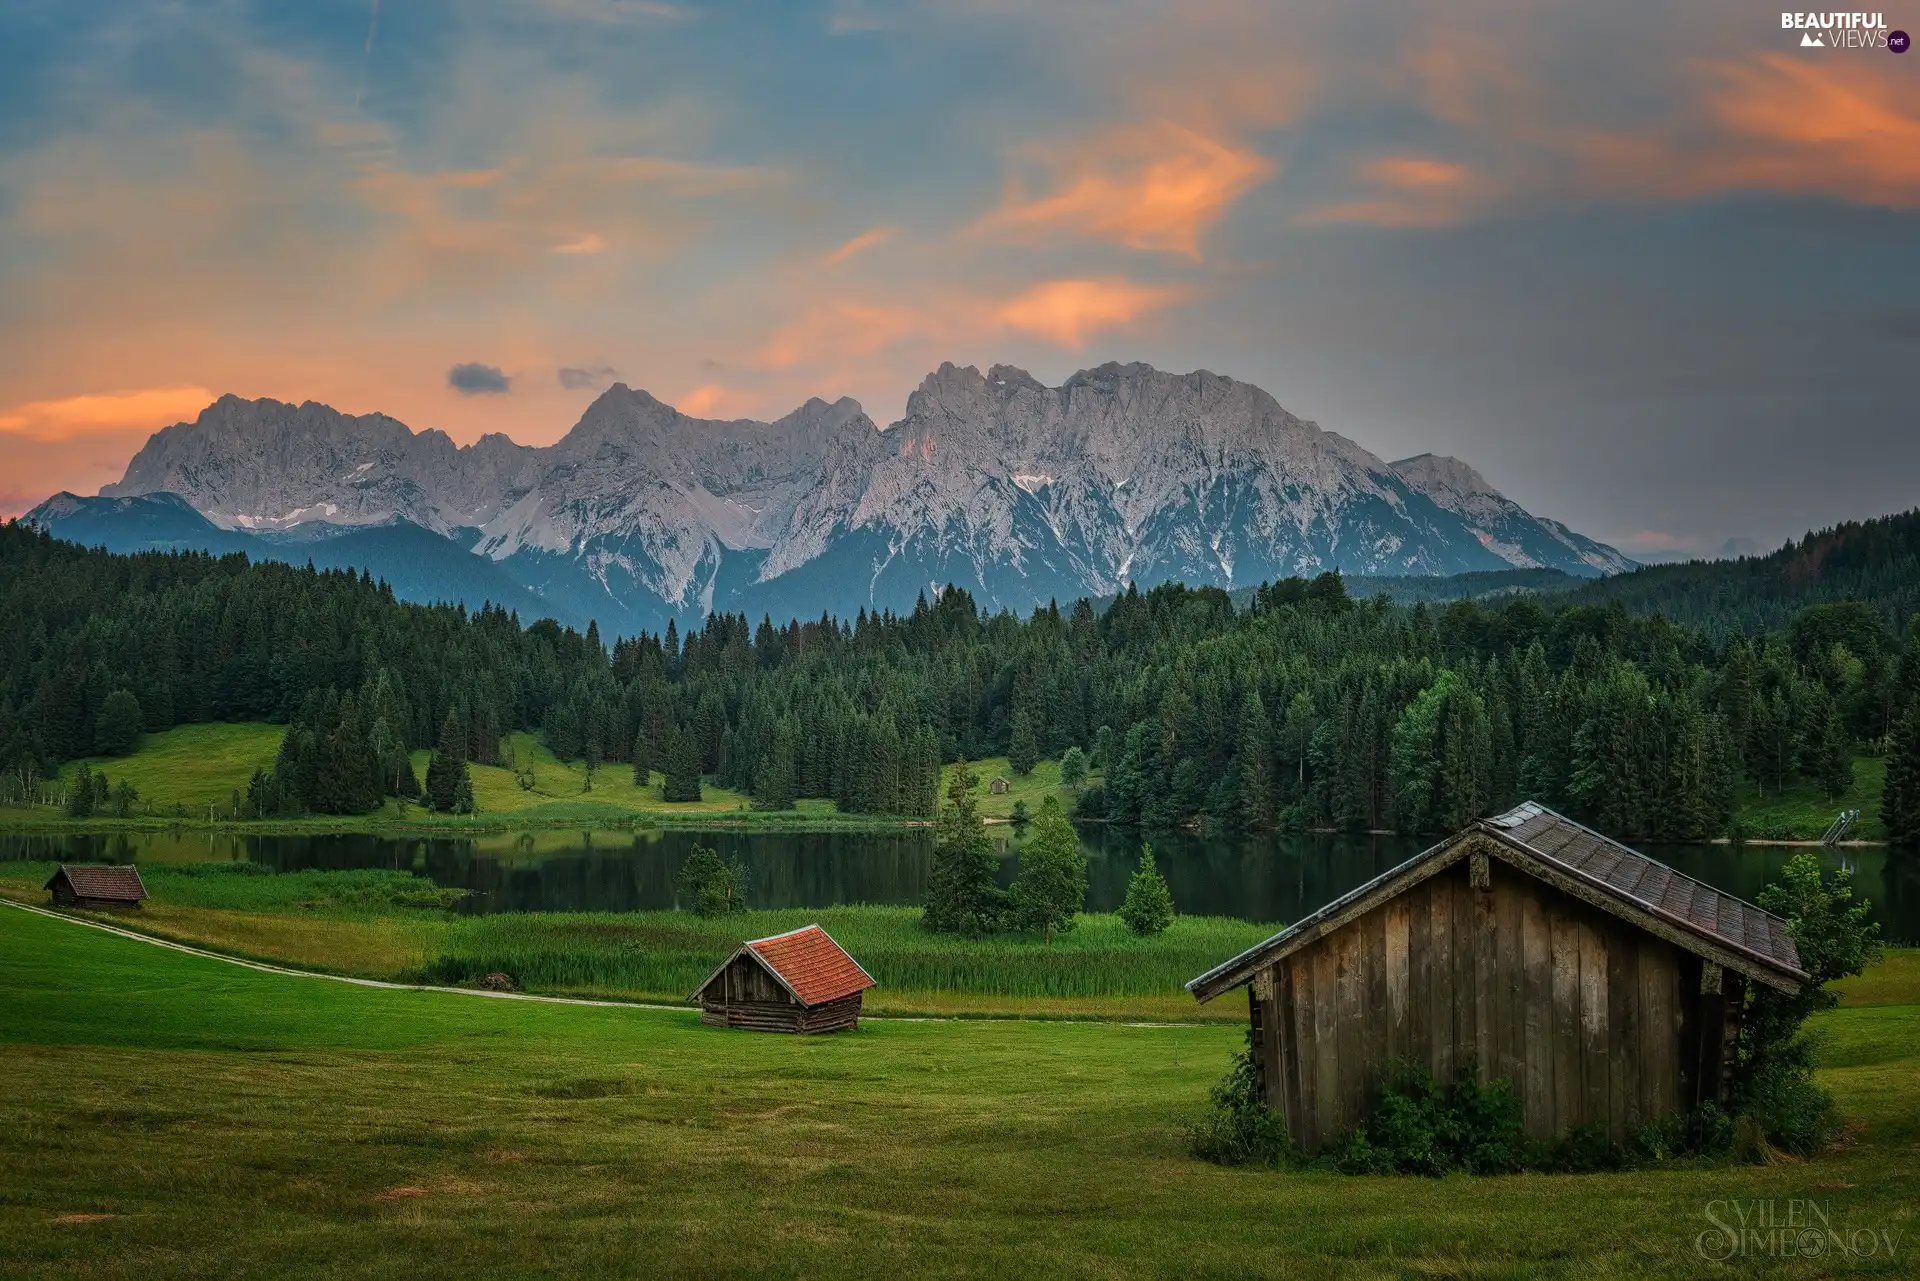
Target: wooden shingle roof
[(1692, 904), (1580, 861), (807, 962), (111, 884)]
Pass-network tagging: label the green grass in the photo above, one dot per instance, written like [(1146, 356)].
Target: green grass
[(1032, 788), (170, 1116), (666, 955), (497, 790), (192, 766), (1802, 812), (182, 772), (385, 924)]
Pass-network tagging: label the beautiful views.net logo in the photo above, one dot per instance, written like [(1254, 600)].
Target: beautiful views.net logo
[(1844, 31)]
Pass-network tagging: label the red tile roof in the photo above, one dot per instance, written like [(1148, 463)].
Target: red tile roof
[(816, 968), (115, 884)]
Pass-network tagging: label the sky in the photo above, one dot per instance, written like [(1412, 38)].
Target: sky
[(1653, 269)]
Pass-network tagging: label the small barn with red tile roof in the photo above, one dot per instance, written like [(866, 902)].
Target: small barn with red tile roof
[(118, 888), (800, 981)]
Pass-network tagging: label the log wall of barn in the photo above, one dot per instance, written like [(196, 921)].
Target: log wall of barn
[(1592, 1020)]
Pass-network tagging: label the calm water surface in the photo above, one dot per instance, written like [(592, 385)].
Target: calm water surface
[(1274, 879)]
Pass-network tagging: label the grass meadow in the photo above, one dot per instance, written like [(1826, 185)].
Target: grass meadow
[(1032, 788), (394, 925), (167, 1115), (1802, 811)]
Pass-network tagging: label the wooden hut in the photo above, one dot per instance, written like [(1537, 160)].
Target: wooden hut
[(1605, 987), (116, 888), (800, 981), (998, 787)]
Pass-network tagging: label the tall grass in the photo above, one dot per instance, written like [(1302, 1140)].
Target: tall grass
[(667, 954)]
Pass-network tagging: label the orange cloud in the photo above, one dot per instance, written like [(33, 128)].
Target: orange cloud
[(1069, 311), (148, 409), (1423, 192), (865, 240), (590, 243), (1818, 129), (839, 330), (1780, 124), (1156, 187), (714, 401), (1414, 172)]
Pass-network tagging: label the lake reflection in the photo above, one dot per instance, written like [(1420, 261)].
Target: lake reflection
[(1274, 879)]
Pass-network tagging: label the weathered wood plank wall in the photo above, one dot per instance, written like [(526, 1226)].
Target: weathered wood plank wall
[(1593, 1021)]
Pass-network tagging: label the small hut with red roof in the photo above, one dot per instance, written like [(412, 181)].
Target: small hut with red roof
[(800, 981), (117, 889)]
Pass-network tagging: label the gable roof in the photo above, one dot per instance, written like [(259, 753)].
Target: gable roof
[(807, 962), (1580, 861), (115, 884)]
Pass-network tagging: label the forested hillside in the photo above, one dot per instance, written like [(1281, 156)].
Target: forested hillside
[(1874, 561), (1307, 708)]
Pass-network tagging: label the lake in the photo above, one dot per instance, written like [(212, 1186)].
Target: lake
[(1275, 878)]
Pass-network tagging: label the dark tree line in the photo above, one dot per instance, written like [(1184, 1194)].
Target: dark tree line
[(1304, 708)]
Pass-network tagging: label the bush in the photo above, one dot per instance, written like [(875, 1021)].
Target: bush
[(1773, 1085), (1420, 1128), (713, 886), (1238, 1127)]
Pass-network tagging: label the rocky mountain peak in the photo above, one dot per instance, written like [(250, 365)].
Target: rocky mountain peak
[(1437, 473), (1018, 491)]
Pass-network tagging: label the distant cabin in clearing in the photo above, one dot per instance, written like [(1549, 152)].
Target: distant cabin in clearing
[(800, 981), (114, 888), (998, 787), (1605, 987)]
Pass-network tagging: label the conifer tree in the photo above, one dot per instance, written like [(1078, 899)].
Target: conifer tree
[(1255, 765), (116, 730), (1833, 755), (1900, 793), (1051, 888), (642, 760), (80, 794), (1148, 908), (773, 782), (1023, 748), (681, 767), (962, 894), (449, 790), (1296, 739)]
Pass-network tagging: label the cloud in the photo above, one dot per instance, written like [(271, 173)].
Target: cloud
[(611, 12), (1156, 187), (147, 409), (838, 330), (1411, 191), (578, 379), (471, 378), (590, 243), (1068, 312), (865, 240), (714, 401)]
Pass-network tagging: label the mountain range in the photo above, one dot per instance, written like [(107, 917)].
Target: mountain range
[(1017, 491)]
